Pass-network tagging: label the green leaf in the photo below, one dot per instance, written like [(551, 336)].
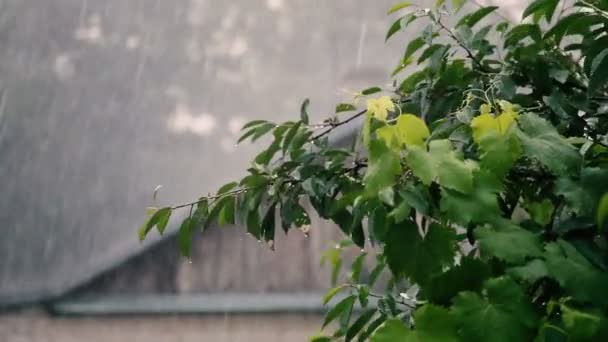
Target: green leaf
[(200, 215), (365, 317), (291, 133), (184, 237), (468, 276), (520, 32), (258, 132), (583, 195), (268, 224), (541, 141), (554, 101), (304, 111), (377, 223), (599, 73), (392, 330), (253, 224), (344, 305), (395, 27), (372, 90), (504, 314), (425, 165), (332, 293), (227, 213), (411, 130), (422, 163), (473, 18), (382, 169), (412, 47), (457, 4), (160, 218), (530, 272), (253, 123), (508, 242), (433, 324), (345, 107), (357, 266), (371, 328), (454, 174), (499, 152), (321, 339), (602, 211), (541, 7), (575, 273), (583, 325), (399, 6), (480, 205), (417, 258), (541, 212)]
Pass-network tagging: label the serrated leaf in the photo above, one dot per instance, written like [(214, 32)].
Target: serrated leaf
[(411, 130), (583, 193), (480, 205), (541, 141), (382, 169), (468, 276), (530, 272), (583, 326), (504, 314), (508, 242), (575, 273), (498, 153), (344, 305), (541, 212), (410, 255)]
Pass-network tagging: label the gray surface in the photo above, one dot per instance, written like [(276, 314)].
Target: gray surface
[(105, 99), (235, 303), (102, 100)]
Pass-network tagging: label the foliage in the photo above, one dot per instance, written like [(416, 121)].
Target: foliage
[(480, 181)]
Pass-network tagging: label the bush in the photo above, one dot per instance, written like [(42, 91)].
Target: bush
[(487, 206)]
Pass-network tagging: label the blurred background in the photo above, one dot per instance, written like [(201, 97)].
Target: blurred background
[(103, 100)]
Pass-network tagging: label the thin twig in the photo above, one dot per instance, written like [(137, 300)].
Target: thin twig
[(332, 126), (463, 46)]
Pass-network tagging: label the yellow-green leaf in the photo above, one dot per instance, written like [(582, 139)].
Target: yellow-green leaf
[(412, 130), (380, 107), (399, 6), (484, 124)]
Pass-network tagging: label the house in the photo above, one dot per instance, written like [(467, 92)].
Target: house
[(101, 101)]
